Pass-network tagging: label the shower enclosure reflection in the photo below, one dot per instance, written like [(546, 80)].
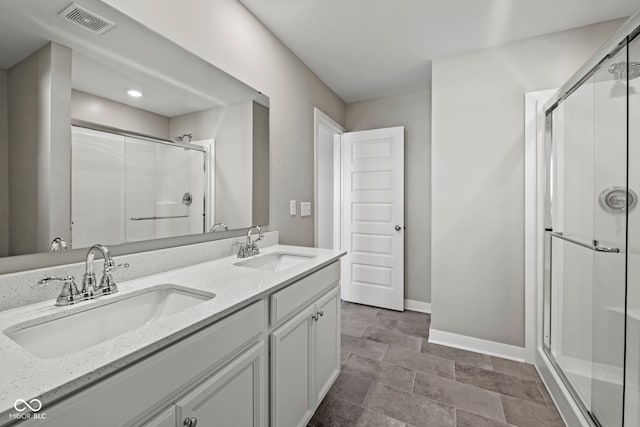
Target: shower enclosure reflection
[(147, 188)]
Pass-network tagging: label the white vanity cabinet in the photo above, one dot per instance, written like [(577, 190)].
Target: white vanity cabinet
[(305, 350), (231, 397), (165, 419), (215, 374), (268, 364)]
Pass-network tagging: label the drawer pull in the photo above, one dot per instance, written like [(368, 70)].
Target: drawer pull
[(190, 422)]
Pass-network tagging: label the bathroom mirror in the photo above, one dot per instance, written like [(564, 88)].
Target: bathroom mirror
[(111, 133)]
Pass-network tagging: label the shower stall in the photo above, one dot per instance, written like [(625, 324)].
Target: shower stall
[(591, 295), (128, 188)]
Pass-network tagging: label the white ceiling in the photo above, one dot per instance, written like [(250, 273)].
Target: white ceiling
[(365, 49)]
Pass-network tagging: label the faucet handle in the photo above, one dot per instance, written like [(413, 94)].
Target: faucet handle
[(48, 280), (69, 293), (109, 268), (242, 249)]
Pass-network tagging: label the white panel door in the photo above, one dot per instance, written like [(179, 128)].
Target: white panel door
[(373, 217)]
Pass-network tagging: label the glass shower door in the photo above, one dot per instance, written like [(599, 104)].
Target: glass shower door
[(632, 371), (588, 243), (609, 235), (165, 190)]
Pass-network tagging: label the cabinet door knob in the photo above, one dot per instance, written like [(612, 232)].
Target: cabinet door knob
[(321, 313), (398, 228), (190, 422), (194, 422)]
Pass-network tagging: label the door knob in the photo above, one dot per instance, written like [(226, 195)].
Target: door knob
[(398, 228)]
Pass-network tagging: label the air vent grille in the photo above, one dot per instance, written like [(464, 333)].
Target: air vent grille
[(86, 19)]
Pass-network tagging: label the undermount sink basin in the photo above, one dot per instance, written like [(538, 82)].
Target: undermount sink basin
[(84, 329), (277, 261)]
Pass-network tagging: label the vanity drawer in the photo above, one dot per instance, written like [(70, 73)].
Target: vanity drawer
[(288, 301), (159, 380)]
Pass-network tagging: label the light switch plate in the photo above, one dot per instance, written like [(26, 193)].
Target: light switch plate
[(305, 208), (292, 208)]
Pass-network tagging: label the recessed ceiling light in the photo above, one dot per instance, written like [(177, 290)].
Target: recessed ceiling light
[(134, 93)]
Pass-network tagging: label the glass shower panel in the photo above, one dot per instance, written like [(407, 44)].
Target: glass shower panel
[(97, 188), (632, 371), (571, 343), (140, 189), (173, 191), (572, 264), (165, 190), (609, 236)]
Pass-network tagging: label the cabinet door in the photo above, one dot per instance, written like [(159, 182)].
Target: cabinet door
[(233, 396), (327, 343), (165, 419), (292, 402)]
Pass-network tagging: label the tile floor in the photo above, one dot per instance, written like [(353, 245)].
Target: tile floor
[(392, 377)]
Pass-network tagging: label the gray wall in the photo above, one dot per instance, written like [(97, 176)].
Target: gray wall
[(231, 127), (96, 109), (413, 112), (4, 167), (225, 33), (260, 188), (39, 99), (478, 177)]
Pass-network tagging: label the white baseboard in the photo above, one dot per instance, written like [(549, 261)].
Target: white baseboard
[(491, 348), (413, 305)]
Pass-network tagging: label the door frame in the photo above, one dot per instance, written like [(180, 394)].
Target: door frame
[(322, 119), (534, 196)]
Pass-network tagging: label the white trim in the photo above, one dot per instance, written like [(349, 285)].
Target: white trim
[(209, 146), (419, 306), (491, 348), (533, 214), (321, 118)]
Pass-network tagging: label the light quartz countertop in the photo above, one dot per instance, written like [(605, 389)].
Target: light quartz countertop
[(25, 376)]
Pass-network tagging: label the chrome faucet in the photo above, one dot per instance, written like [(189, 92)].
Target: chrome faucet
[(218, 224), (107, 284), (58, 244), (70, 294), (250, 248)]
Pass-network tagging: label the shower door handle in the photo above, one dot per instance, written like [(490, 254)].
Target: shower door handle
[(593, 246), (605, 249)]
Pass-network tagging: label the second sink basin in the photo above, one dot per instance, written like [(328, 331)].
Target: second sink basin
[(83, 329), (277, 261)]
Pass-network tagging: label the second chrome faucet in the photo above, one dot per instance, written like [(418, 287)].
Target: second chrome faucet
[(250, 248)]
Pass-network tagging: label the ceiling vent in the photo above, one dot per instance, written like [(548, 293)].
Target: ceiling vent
[(86, 19)]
